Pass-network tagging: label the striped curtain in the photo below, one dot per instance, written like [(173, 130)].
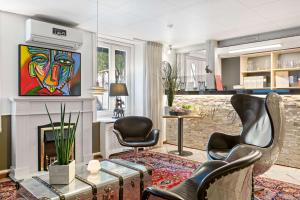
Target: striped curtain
[(153, 103)]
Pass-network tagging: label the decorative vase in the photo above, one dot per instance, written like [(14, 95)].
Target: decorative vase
[(166, 110), (61, 174)]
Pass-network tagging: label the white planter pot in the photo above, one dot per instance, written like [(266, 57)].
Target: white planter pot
[(61, 174)]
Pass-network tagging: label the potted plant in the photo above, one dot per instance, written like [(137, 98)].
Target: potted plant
[(170, 82), (62, 171)]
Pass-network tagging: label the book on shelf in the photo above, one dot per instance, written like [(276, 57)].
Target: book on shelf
[(255, 82), (282, 79), (219, 84), (293, 80)]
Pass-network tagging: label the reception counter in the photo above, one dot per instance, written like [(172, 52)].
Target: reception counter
[(219, 116), (241, 91)]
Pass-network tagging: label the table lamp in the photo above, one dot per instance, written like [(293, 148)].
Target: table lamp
[(117, 90)]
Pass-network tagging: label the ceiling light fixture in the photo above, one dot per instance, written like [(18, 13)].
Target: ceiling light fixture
[(256, 48), (97, 89), (170, 49), (170, 25)]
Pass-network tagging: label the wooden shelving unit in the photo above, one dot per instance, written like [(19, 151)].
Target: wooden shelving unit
[(273, 58), (261, 66), (256, 71), (264, 88), (291, 87), (287, 69)]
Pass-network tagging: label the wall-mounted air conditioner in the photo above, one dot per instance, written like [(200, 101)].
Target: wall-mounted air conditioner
[(43, 33)]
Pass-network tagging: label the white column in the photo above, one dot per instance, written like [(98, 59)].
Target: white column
[(211, 45)]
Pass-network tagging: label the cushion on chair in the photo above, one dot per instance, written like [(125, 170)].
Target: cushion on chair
[(134, 139), (257, 125), (218, 154)]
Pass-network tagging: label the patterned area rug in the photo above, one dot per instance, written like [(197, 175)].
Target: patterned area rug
[(7, 190), (170, 170)]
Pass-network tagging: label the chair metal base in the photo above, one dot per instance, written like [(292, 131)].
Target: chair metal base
[(183, 153)]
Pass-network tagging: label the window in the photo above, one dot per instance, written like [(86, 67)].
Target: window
[(194, 70), (103, 67), (120, 62), (112, 64)]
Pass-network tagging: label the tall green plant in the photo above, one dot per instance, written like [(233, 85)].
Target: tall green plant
[(170, 81), (63, 145)]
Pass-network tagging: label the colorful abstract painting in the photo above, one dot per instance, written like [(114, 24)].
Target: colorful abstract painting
[(48, 72)]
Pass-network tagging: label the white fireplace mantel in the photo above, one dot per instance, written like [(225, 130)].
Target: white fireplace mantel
[(29, 112)]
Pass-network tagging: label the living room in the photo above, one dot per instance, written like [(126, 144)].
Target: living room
[(131, 99)]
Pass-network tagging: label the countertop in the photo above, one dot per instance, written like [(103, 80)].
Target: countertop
[(242, 91)]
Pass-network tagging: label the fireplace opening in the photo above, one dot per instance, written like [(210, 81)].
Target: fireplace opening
[(46, 145)]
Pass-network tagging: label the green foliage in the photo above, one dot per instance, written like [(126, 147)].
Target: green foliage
[(170, 81), (102, 60), (120, 62), (63, 145), (187, 106)]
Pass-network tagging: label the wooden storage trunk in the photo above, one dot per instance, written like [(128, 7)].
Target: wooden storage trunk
[(135, 177), (117, 180)]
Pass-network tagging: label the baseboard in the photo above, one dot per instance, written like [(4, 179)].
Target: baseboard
[(97, 154), (4, 173)]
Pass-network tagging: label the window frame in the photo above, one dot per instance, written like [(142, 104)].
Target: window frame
[(112, 47)]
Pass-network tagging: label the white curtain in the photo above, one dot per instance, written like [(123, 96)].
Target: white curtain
[(153, 86)]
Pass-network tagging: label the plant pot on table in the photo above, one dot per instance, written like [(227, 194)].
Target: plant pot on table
[(61, 174), (176, 113)]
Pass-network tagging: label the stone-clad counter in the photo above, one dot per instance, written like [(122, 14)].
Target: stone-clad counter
[(221, 117)]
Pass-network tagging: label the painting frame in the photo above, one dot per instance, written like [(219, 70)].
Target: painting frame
[(77, 85)]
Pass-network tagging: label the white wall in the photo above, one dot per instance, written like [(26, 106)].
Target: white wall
[(12, 33)]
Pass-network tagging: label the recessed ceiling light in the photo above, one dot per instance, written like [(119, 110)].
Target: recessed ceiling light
[(170, 25), (256, 48)]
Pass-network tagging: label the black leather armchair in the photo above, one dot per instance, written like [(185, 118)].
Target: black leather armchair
[(263, 129), (230, 179), (136, 131)]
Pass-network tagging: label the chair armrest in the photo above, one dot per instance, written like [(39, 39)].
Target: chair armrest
[(188, 189), (160, 193), (120, 138), (222, 141), (153, 135), (208, 167)]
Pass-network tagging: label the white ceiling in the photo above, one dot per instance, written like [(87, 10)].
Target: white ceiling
[(194, 20)]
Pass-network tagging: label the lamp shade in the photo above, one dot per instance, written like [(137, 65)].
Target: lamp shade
[(118, 89)]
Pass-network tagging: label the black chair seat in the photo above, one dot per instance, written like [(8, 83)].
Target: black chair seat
[(134, 139), (219, 154)]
